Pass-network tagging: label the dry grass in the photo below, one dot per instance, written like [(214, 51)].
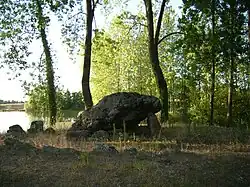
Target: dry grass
[(158, 163), (60, 141)]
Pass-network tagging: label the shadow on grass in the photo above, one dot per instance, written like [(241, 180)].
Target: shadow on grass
[(23, 164)]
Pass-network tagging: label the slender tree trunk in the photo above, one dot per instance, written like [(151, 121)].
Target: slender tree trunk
[(184, 97), (213, 67), (248, 45), (87, 57), (154, 58), (49, 66), (230, 94), (249, 25), (248, 82), (232, 59)]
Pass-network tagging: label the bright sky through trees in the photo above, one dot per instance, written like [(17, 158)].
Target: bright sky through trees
[(69, 72)]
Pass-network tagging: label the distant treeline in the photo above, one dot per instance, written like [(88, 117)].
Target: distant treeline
[(38, 101), (9, 101)]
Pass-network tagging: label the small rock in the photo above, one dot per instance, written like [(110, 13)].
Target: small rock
[(77, 134), (101, 135), (17, 144), (100, 147), (61, 151), (16, 128), (153, 124), (50, 149), (36, 127), (131, 150), (50, 130), (15, 131)]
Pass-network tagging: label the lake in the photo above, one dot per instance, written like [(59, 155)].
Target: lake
[(12, 118), (23, 119)]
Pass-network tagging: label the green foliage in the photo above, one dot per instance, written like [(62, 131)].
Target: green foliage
[(120, 57), (37, 104), (17, 25), (22, 22), (199, 46), (120, 60)]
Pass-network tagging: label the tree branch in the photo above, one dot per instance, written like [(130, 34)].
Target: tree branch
[(170, 34), (71, 17), (94, 4), (158, 28)]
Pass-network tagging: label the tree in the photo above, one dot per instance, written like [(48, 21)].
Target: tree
[(208, 9), (90, 7), (224, 42), (49, 66), (120, 61), (75, 35), (232, 45), (153, 39), (30, 22)]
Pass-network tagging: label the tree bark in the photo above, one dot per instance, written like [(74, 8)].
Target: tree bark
[(213, 67), (49, 65), (230, 94), (249, 24), (87, 56), (232, 68), (153, 55)]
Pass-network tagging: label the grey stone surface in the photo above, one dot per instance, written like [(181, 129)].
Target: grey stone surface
[(101, 147), (119, 109), (36, 126), (15, 131), (153, 124)]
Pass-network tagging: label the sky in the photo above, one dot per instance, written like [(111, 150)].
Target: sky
[(68, 71)]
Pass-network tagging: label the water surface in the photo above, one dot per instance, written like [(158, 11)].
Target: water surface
[(8, 119), (12, 118)]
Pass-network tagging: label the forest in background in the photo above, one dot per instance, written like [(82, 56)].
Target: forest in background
[(201, 73)]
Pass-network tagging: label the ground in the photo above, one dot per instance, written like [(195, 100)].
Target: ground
[(157, 163)]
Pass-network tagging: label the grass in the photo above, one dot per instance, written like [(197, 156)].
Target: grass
[(168, 161)]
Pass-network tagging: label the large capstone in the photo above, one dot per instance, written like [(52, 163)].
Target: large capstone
[(116, 111)]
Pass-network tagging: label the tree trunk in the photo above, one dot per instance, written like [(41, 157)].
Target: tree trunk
[(87, 57), (249, 25), (230, 94), (232, 66), (184, 97), (213, 67), (249, 44), (154, 58), (49, 66)]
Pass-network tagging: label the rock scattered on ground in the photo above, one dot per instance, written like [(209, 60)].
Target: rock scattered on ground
[(50, 130), (153, 124), (15, 131), (101, 147), (64, 151), (16, 144), (36, 126), (101, 135), (77, 134), (131, 150)]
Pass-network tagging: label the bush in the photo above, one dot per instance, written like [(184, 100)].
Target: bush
[(207, 135)]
